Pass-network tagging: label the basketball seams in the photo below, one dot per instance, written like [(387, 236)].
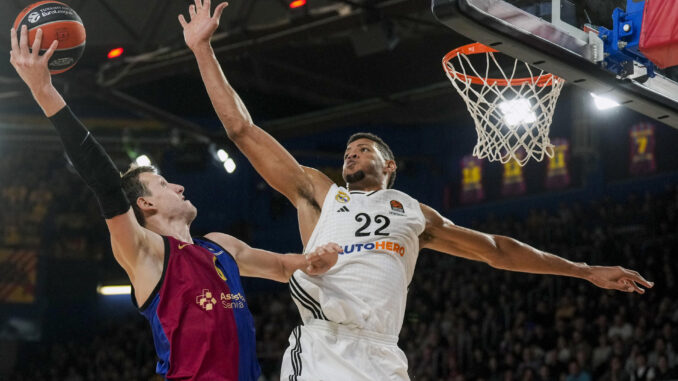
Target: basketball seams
[(36, 7), (56, 21), (66, 49), (76, 29)]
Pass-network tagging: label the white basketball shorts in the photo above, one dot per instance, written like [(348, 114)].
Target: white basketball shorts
[(326, 351)]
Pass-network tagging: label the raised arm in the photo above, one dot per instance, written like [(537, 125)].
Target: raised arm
[(130, 241), (509, 254), (279, 267), (273, 162)]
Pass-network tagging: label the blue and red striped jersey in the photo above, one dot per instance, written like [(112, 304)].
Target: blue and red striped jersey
[(202, 327)]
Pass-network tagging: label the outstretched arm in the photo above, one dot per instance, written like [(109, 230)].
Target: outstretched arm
[(509, 254), (129, 240), (279, 267), (273, 162)]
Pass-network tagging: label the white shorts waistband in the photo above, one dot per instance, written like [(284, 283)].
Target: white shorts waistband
[(356, 333)]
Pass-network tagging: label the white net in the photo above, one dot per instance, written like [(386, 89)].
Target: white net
[(511, 115)]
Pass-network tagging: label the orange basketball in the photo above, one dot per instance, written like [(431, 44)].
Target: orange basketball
[(58, 22)]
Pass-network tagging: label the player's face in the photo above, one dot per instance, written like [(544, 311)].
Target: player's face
[(363, 163), (166, 198)]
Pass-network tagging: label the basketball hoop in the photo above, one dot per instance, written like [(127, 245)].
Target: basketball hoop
[(512, 115)]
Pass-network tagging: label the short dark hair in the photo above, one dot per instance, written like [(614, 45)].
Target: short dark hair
[(135, 188), (381, 146)]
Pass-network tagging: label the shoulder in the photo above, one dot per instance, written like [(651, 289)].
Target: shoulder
[(399, 194)]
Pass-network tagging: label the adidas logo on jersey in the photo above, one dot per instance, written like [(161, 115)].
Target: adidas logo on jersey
[(343, 209)]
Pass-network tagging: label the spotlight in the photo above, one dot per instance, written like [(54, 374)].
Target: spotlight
[(603, 103), (517, 111), (114, 290), (143, 161), (229, 165), (222, 155)]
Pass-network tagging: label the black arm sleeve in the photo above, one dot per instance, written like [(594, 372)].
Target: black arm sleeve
[(92, 163)]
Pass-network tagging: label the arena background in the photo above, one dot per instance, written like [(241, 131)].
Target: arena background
[(312, 76)]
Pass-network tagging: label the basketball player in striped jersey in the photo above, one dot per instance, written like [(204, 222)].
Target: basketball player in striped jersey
[(352, 315), (188, 288)]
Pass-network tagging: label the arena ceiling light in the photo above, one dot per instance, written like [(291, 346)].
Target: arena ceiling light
[(603, 103), (229, 165), (517, 111), (223, 158), (114, 290), (143, 161)]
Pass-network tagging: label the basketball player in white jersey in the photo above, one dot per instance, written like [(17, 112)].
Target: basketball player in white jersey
[(353, 314)]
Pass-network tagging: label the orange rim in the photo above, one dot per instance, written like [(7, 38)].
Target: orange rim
[(478, 48)]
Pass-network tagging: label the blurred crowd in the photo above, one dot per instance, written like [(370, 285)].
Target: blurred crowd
[(464, 320), (31, 216)]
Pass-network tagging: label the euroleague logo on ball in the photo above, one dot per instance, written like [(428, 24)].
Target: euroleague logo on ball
[(66, 61), (33, 17)]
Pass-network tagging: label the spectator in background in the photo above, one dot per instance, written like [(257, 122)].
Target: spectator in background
[(642, 371), (601, 353), (620, 328), (664, 372), (576, 373)]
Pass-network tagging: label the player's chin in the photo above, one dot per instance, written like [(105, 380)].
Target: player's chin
[(191, 210)]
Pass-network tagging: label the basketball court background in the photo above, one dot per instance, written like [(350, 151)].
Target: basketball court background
[(311, 76)]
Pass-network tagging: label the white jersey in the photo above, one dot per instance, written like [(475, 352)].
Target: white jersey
[(367, 288)]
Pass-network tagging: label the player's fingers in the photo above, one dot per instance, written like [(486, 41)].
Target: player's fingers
[(14, 40), (219, 10), (636, 277), (23, 40), (623, 285), (191, 11), (336, 247), (35, 49), (635, 286), (207, 4), (198, 5), (182, 21), (52, 48)]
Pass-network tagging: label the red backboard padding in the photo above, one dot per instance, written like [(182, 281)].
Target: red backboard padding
[(659, 34)]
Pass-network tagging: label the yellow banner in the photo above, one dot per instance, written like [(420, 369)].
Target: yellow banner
[(18, 273)]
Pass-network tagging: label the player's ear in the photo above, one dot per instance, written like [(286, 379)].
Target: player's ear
[(391, 166), (145, 204)]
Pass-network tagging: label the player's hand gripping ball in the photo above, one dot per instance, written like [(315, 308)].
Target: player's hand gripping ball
[(58, 22)]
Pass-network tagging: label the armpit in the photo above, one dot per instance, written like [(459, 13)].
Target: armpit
[(306, 192), (425, 237)]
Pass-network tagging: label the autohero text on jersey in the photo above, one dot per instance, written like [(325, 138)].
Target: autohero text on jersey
[(390, 246)]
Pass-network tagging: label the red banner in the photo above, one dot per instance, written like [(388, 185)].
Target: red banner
[(557, 168), (513, 182), (18, 271), (471, 180), (642, 142)]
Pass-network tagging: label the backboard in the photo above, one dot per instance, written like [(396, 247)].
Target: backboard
[(542, 34)]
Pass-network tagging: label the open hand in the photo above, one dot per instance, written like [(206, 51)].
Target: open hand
[(28, 63), (618, 278), (202, 25), (322, 258)]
